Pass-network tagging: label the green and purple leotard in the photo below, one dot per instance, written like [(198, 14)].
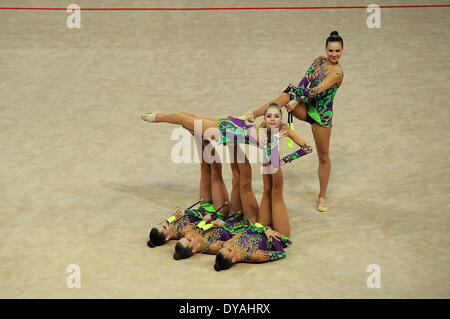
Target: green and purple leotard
[(319, 106), (194, 216), (234, 130), (254, 239)]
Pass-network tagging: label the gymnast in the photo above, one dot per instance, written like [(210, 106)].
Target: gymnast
[(213, 194), (210, 238), (259, 243), (323, 77), (232, 130)]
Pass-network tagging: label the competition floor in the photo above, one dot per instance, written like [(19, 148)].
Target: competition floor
[(83, 178)]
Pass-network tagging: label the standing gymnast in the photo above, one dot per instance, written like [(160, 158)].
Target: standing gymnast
[(323, 77)]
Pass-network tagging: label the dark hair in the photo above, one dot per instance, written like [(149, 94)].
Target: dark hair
[(222, 263), (334, 37), (157, 238), (182, 252)]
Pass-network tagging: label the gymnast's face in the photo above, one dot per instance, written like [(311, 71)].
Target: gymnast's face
[(273, 118), (229, 251), (164, 228), (334, 51), (190, 240)]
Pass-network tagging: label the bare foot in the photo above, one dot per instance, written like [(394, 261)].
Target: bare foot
[(150, 117), (248, 116), (321, 205)]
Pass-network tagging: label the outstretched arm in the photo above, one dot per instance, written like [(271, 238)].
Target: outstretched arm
[(304, 149), (260, 256)]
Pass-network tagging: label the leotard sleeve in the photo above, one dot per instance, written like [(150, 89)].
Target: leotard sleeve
[(193, 213), (302, 151), (260, 256), (305, 81), (333, 78)]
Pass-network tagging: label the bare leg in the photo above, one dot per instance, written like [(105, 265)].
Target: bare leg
[(265, 209), (205, 182), (280, 218), (210, 118), (300, 111), (205, 174), (187, 122), (248, 199), (281, 100), (218, 188), (322, 138), (236, 204)]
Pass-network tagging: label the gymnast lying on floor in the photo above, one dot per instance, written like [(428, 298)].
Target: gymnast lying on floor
[(213, 194)]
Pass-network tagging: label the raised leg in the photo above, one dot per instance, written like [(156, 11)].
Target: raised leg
[(218, 188), (205, 174), (186, 121), (300, 111), (236, 204), (281, 100), (280, 218), (265, 209), (248, 199), (210, 118)]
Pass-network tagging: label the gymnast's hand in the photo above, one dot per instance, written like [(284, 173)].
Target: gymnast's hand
[(270, 233), (218, 223), (291, 105), (283, 132), (178, 213), (207, 218)]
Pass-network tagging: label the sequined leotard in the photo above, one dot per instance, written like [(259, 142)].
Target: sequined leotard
[(193, 216), (249, 238), (323, 86), (234, 224), (254, 239), (234, 130)]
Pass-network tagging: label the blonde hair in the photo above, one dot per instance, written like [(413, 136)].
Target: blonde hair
[(273, 106)]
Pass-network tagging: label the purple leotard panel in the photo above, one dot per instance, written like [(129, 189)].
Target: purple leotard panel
[(224, 234), (239, 122)]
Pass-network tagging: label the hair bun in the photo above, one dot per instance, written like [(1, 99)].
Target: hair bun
[(150, 244), (334, 33), (176, 256), (217, 267)]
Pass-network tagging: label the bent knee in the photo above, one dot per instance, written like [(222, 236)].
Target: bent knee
[(324, 158), (235, 182), (278, 194), (245, 185)]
